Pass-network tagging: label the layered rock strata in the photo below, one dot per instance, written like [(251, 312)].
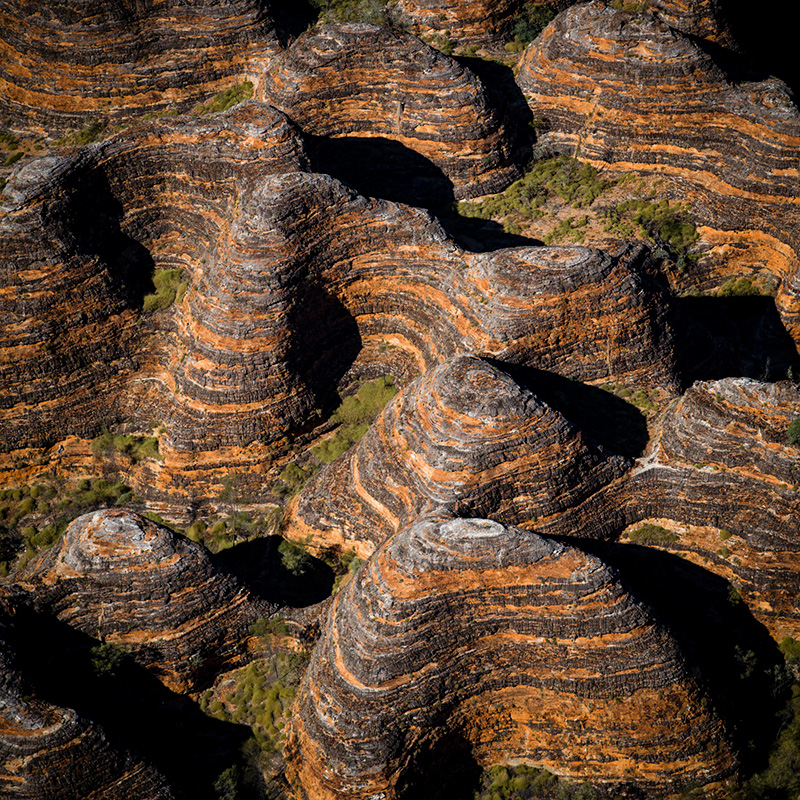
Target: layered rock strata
[(47, 751), (64, 64), (730, 147), (723, 465), (463, 437), (527, 649), (126, 580), (287, 274), (358, 80)]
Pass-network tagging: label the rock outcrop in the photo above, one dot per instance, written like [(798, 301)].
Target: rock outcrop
[(357, 80), (283, 277), (723, 465), (47, 751), (467, 438), (468, 630), (65, 64), (729, 145), (134, 583)]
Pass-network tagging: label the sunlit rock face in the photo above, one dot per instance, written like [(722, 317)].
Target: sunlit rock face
[(469, 632)]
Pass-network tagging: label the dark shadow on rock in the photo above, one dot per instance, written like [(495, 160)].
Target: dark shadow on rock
[(91, 216), (738, 662), (261, 567), (292, 17), (480, 235), (378, 167), (446, 770), (733, 337), (136, 711), (325, 342), (609, 420)]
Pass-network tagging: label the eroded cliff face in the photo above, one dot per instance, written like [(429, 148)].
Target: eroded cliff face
[(466, 438), (629, 92), (130, 582), (63, 65), (216, 279), (470, 630), (47, 751)]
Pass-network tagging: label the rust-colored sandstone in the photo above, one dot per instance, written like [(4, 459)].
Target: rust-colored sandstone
[(467, 438), (628, 92), (358, 80), (129, 581), (49, 752), (468, 631), (63, 64)]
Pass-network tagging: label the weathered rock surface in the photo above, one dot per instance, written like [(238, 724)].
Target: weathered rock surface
[(47, 751), (464, 437), (289, 273), (731, 146), (122, 578), (722, 462), (64, 64), (527, 649), (357, 80)]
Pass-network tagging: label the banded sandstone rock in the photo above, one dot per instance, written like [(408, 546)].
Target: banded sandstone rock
[(357, 80), (125, 579), (723, 475), (527, 649), (464, 437), (47, 751), (631, 93), (65, 64)]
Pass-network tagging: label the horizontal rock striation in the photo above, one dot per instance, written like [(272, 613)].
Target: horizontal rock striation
[(463, 437), (47, 751), (723, 462), (731, 147), (122, 578), (357, 80), (287, 275), (64, 64), (529, 650)]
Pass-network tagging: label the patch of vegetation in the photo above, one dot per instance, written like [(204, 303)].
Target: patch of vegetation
[(349, 564), (91, 132), (8, 139), (354, 415), (13, 158), (631, 6), (107, 658), (637, 397), (371, 11), (738, 287), (269, 627), (667, 225), (724, 535), (563, 177), (528, 783), (793, 431), (530, 23), (649, 534), (291, 480), (294, 558), (724, 552), (167, 112), (136, 448), (39, 514), (170, 287), (226, 99)]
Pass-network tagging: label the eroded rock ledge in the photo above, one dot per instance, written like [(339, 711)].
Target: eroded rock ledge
[(129, 581), (463, 437), (468, 629)]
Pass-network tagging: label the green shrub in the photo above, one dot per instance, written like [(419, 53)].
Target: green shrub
[(371, 11), (293, 558), (649, 534), (531, 22), (724, 535), (659, 221), (355, 414), (89, 133), (107, 659), (13, 158), (8, 139), (170, 287), (738, 287), (793, 431), (226, 99), (267, 627)]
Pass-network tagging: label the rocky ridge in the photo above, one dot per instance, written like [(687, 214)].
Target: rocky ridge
[(131, 582), (389, 688)]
